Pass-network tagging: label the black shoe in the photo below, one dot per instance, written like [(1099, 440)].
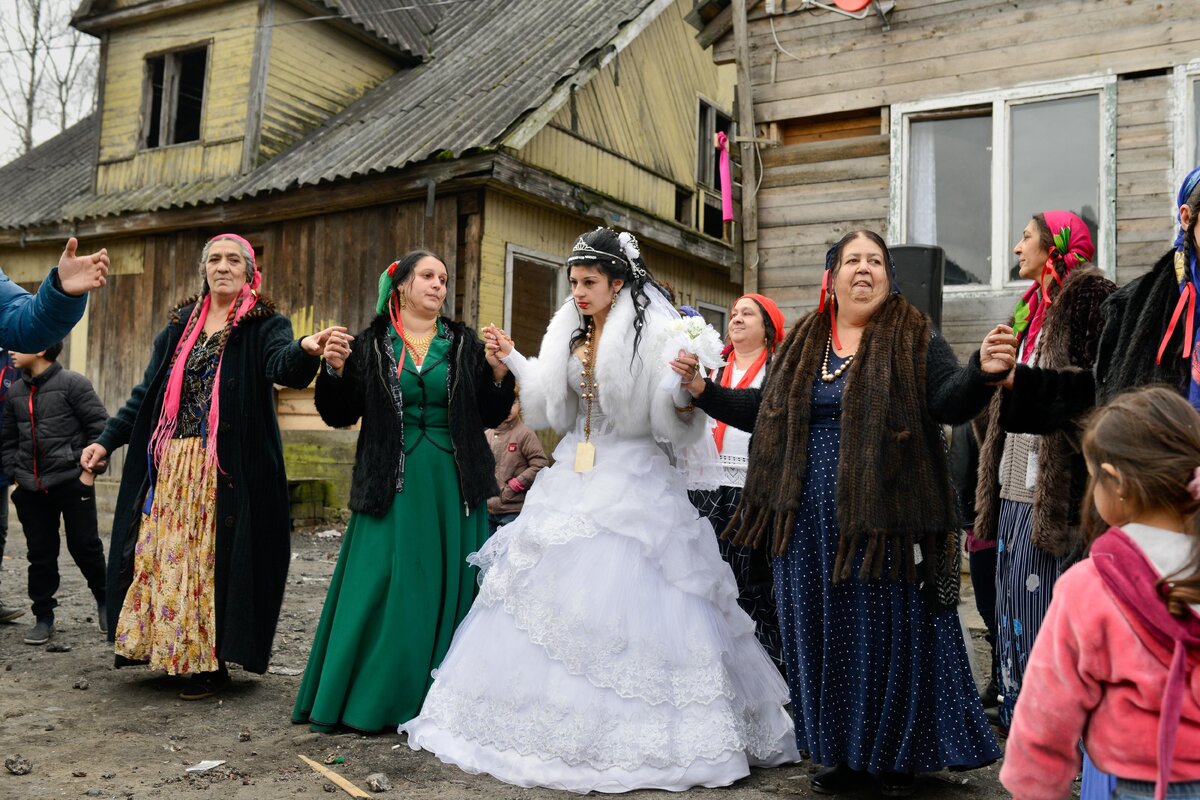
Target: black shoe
[(835, 780), (41, 632), (896, 784), (101, 617), (990, 696), (204, 685), (9, 613)]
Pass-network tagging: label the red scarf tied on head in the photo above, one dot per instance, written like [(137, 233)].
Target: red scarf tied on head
[(169, 417), (1073, 242), (770, 311)]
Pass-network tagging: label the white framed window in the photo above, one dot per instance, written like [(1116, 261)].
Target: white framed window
[(1185, 99), (717, 316), (968, 172), (536, 284)]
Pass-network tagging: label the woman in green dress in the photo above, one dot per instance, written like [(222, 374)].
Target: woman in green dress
[(425, 391)]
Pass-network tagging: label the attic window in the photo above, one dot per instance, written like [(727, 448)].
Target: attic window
[(174, 97)]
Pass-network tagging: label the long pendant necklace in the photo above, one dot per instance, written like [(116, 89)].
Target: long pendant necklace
[(826, 375), (585, 451)]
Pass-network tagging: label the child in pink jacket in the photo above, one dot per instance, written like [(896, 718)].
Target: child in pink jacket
[(1116, 662)]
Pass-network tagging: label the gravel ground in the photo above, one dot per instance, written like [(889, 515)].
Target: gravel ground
[(89, 730)]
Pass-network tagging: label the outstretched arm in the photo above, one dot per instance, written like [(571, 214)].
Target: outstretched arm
[(32, 322)]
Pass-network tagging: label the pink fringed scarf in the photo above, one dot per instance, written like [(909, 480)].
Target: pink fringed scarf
[(169, 417), (1132, 580)]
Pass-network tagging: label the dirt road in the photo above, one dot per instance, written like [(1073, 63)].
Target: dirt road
[(93, 731)]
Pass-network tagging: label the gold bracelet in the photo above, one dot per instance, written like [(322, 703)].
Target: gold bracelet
[(690, 407)]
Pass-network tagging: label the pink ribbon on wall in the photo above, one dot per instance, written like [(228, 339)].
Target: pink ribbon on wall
[(726, 179)]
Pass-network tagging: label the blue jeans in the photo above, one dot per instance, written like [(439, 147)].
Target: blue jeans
[(497, 521), (1141, 790)]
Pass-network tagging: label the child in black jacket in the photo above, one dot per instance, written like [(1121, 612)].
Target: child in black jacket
[(50, 415)]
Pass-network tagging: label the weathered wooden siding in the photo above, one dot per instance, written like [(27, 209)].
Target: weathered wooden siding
[(812, 193), (1145, 194), (632, 132), (318, 270), (299, 94), (941, 47), (509, 220), (231, 30)]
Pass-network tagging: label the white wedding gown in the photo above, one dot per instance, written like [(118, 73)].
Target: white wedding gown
[(606, 650)]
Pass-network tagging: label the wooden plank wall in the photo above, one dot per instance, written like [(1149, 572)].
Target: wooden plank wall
[(1145, 194), (632, 134), (299, 97), (231, 29), (812, 193), (509, 220), (318, 271), (942, 47)]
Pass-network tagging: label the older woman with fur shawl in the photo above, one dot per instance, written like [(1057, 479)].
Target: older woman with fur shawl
[(849, 484), (607, 651)]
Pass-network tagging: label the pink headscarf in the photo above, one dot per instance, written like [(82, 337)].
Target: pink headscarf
[(169, 417), (1073, 242)]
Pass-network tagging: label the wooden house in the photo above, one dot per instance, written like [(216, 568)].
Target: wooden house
[(338, 134), (951, 122)]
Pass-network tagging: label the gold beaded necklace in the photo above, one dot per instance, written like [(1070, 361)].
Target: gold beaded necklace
[(585, 451), (419, 347), (826, 375)]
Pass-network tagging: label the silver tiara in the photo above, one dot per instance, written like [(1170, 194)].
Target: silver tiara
[(582, 251)]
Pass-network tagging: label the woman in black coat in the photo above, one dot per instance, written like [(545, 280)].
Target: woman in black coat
[(424, 390), (201, 536)]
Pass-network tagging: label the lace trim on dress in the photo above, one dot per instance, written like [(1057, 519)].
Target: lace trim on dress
[(656, 736), (573, 638)]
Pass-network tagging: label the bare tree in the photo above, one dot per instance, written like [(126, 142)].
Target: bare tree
[(47, 70)]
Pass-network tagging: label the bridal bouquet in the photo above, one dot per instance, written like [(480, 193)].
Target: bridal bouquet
[(694, 335)]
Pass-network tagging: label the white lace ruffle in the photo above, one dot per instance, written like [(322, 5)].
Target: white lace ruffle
[(656, 737), (611, 649)]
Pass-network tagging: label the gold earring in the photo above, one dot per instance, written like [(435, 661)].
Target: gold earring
[(403, 302), (614, 301)]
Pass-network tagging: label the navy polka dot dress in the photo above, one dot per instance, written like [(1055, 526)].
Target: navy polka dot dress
[(878, 682)]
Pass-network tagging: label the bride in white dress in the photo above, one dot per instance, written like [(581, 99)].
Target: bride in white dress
[(606, 650)]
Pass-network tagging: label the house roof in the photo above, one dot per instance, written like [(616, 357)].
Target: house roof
[(493, 63)]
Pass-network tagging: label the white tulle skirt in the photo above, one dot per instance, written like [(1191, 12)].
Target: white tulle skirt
[(606, 650)]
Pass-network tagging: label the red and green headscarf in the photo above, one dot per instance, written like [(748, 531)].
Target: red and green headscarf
[(1072, 247)]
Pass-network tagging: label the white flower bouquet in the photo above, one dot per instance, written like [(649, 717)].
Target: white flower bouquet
[(694, 335)]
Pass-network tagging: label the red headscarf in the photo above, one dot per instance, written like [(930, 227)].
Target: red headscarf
[(770, 311)]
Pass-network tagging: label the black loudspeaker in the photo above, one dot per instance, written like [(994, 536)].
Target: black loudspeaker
[(920, 269)]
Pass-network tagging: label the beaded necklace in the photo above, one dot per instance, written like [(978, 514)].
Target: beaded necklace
[(826, 375), (585, 451)]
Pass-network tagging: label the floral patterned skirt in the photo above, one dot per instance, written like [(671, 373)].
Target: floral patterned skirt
[(168, 617)]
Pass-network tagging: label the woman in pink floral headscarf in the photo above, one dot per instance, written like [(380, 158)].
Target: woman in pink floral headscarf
[(200, 537), (1031, 486)]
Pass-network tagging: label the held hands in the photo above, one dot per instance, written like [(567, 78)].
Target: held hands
[(337, 347), (78, 275), (315, 345), (93, 457), (998, 355), (687, 367), (497, 345)]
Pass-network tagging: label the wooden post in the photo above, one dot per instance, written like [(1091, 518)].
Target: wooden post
[(470, 227), (745, 104)]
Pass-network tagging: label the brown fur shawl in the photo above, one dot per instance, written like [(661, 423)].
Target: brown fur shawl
[(1068, 341), (887, 432)]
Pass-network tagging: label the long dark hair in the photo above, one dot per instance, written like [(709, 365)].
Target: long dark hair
[(613, 264), (1152, 437)]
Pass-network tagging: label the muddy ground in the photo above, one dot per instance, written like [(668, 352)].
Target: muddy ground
[(93, 731)]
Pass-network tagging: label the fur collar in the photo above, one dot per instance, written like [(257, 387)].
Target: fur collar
[(613, 365), (265, 307)]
